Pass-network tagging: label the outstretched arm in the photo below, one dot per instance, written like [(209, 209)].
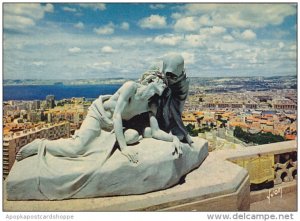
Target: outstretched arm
[(159, 134), (126, 92)]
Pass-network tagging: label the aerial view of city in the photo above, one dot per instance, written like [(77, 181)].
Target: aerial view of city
[(240, 61)]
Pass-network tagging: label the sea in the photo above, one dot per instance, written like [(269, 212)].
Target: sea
[(39, 92)]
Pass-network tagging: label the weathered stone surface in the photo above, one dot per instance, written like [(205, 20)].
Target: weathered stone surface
[(157, 169), (202, 190)]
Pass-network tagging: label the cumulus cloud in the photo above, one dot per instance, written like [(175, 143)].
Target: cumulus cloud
[(94, 6), (169, 39), (100, 65), (79, 25), (205, 20), (216, 59), (228, 38), (153, 22), (125, 26), (248, 35), (240, 15), (17, 23), (293, 47), (157, 6), (19, 17), (186, 24), (39, 63), (68, 9), (210, 46), (228, 47), (215, 30), (49, 8), (74, 50), (281, 45), (195, 40), (176, 15), (203, 56), (189, 58), (108, 49), (106, 29)]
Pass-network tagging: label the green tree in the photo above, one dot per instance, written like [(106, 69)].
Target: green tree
[(257, 138)]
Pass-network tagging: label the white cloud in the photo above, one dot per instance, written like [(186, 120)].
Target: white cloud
[(125, 26), (49, 8), (281, 45), (210, 52), (100, 65), (74, 50), (39, 63), (215, 30), (68, 9), (216, 58), (17, 23), (228, 38), (105, 30), (236, 33), (153, 22), (20, 16), (228, 47), (79, 25), (240, 15), (189, 58), (195, 40), (293, 47), (176, 15), (292, 55), (108, 49), (250, 56), (94, 6), (248, 35), (205, 20), (157, 6), (167, 39), (186, 24)]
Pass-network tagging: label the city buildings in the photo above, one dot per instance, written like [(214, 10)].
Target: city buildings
[(13, 142), (50, 101), (25, 121)]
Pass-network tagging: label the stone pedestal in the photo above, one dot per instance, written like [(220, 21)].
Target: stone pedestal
[(217, 185), (157, 169)]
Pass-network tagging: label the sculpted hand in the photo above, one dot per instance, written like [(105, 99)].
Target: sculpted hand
[(148, 78), (177, 146), (190, 141), (130, 154)]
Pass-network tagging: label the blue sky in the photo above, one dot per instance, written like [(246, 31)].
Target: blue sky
[(71, 41)]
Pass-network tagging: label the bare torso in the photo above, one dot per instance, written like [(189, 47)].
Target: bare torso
[(133, 107)]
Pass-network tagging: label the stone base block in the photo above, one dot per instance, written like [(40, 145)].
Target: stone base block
[(214, 186), (157, 169)]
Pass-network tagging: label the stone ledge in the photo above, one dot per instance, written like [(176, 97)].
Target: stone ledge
[(261, 195), (253, 151), (273, 148), (230, 202)]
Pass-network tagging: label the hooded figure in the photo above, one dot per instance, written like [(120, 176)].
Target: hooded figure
[(171, 103)]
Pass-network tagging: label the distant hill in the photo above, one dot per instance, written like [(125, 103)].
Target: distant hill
[(65, 82)]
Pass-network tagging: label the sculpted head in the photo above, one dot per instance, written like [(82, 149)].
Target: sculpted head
[(173, 67), (151, 84)]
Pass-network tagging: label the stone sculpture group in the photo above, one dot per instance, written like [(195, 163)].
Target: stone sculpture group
[(131, 142)]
